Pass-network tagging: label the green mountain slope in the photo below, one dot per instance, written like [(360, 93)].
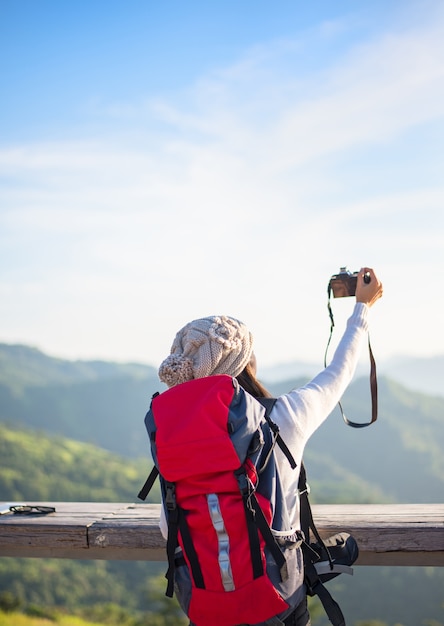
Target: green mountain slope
[(37, 466), (343, 464), (97, 402), (400, 453), (23, 366), (396, 459)]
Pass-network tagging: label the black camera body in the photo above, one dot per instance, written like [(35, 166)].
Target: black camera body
[(344, 283)]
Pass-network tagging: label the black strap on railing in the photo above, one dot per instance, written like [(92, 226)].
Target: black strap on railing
[(312, 581), (143, 493), (306, 516)]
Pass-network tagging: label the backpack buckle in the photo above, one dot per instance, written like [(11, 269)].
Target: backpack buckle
[(306, 490), (246, 487), (170, 496)]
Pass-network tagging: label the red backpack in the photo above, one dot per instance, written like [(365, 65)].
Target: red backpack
[(233, 557), (214, 449)]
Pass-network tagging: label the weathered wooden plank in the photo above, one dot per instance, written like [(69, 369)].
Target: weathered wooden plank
[(55, 534), (130, 531), (385, 512), (410, 534)]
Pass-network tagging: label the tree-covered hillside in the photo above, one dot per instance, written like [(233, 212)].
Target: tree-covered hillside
[(400, 454), (37, 466), (105, 404), (23, 366), (74, 431)]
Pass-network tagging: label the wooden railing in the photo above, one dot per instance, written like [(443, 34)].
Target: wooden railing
[(387, 534)]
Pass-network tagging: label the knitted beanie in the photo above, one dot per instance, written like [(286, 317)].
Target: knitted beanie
[(211, 345)]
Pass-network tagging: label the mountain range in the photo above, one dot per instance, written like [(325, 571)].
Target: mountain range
[(74, 430), (423, 374), (396, 459)]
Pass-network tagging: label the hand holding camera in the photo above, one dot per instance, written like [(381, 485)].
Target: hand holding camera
[(364, 284)]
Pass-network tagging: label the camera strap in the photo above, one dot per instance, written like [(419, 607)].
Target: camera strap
[(373, 378)]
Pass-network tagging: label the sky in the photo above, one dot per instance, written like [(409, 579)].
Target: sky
[(165, 161)]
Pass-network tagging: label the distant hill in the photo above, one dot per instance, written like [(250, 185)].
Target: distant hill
[(38, 466), (99, 402), (397, 459), (422, 374), (23, 366), (401, 453)]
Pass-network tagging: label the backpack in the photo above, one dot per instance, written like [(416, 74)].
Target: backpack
[(233, 557)]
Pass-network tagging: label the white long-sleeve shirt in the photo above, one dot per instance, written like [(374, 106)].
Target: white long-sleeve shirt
[(301, 411)]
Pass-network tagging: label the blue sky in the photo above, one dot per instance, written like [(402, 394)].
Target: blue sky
[(166, 161)]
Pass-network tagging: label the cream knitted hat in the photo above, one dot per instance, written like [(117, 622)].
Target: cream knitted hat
[(211, 345)]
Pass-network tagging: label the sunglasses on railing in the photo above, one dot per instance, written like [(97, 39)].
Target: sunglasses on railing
[(24, 509)]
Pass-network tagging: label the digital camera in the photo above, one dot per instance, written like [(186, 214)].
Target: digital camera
[(344, 283)]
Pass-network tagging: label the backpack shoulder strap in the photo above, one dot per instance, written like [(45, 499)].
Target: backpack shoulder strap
[(143, 493), (312, 580), (268, 404), (311, 577)]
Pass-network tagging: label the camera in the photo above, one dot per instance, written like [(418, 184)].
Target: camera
[(344, 283)]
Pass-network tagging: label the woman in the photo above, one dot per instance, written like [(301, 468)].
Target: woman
[(223, 345)]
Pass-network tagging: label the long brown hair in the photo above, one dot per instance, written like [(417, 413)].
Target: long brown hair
[(247, 379)]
